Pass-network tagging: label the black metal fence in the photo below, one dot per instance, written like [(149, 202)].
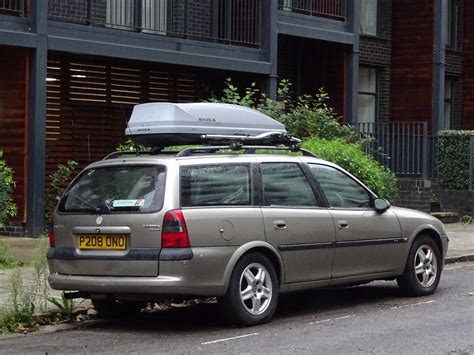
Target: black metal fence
[(12, 6), (236, 22), (404, 147), (335, 9)]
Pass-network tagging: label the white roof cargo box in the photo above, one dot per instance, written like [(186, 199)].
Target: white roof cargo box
[(165, 124)]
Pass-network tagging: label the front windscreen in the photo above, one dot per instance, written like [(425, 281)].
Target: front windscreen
[(116, 189)]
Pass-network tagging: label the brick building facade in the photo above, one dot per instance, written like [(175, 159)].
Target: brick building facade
[(73, 69)]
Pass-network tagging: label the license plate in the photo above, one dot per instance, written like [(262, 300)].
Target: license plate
[(101, 241)]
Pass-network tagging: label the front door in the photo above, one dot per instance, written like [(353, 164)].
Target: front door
[(367, 242)]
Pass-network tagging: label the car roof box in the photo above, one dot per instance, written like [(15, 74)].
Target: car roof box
[(167, 124)]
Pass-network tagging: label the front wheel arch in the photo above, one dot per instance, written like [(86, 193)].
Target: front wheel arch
[(436, 238)]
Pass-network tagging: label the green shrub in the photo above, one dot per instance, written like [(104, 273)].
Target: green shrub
[(59, 181), (7, 185), (352, 158), (452, 159), (308, 115)]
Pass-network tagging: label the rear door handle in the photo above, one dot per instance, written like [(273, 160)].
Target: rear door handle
[(342, 224), (279, 224)]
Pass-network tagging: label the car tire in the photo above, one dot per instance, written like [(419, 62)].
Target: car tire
[(252, 296), (112, 308), (423, 268)]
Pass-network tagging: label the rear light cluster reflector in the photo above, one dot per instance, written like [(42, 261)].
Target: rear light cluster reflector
[(52, 242), (175, 232)]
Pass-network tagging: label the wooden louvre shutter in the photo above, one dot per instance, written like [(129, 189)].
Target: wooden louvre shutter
[(90, 102)]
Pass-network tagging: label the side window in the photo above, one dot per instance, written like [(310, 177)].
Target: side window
[(284, 184), (215, 185), (340, 190)]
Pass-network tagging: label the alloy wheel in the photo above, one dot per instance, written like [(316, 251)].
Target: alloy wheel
[(255, 288), (426, 265)]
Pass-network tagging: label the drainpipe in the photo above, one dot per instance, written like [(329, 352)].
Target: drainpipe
[(352, 64), (439, 64), (270, 19), (36, 153)]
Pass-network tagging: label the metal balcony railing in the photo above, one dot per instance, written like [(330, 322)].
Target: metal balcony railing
[(334, 9), (12, 6), (236, 22), (403, 147)]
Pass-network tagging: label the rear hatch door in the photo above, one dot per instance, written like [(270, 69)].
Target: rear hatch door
[(108, 222)]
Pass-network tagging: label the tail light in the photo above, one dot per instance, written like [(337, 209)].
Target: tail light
[(52, 242), (175, 232)]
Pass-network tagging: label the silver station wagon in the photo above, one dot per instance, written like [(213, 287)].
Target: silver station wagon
[(225, 220)]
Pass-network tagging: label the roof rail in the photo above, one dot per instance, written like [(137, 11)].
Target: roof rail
[(266, 138), (248, 149), (155, 151)]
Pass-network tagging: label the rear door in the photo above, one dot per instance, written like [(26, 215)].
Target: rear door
[(108, 221), (367, 242), (295, 223)]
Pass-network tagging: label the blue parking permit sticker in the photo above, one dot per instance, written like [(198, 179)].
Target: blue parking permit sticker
[(128, 203)]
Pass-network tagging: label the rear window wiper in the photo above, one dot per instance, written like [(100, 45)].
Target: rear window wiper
[(100, 209)]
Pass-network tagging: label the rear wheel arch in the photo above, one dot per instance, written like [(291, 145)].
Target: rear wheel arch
[(259, 247)]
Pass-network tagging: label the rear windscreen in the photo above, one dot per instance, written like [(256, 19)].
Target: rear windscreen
[(116, 189)]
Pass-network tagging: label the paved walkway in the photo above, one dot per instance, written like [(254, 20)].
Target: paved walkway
[(461, 248)]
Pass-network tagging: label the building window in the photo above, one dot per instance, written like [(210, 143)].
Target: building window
[(368, 17), (451, 23), (449, 85), (367, 95), (120, 14)]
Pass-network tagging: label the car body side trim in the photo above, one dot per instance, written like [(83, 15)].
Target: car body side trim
[(305, 246), (340, 244), (363, 242)]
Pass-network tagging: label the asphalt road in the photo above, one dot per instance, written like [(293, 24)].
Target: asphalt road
[(373, 318)]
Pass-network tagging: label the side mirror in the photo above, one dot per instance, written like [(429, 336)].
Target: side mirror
[(381, 205)]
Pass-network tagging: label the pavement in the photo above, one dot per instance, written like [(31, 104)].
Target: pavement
[(461, 248)]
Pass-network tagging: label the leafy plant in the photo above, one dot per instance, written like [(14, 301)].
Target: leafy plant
[(466, 219), (352, 158), (6, 260), (20, 315), (65, 305), (41, 273), (231, 95), (452, 159), (130, 146), (59, 180), (7, 186)]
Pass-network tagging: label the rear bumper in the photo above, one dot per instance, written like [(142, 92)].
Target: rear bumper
[(203, 275), (160, 285)]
